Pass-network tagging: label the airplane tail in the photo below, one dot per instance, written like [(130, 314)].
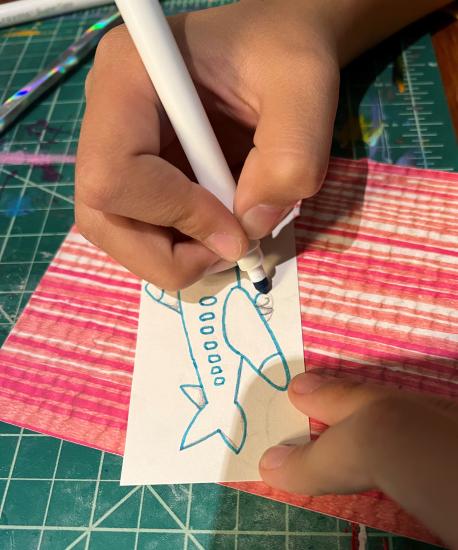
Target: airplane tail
[(230, 425)]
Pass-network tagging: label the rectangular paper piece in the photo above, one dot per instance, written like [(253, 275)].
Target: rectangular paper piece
[(212, 368)]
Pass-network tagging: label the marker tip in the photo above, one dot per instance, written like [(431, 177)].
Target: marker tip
[(264, 286)]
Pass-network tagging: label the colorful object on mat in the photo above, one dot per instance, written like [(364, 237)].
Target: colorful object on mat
[(399, 74), (33, 159), (20, 34), (378, 275), (67, 60)]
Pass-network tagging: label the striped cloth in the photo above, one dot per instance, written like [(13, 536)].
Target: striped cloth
[(378, 278)]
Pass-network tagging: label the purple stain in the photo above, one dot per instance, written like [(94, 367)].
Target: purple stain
[(49, 173), (376, 114), (44, 131), (36, 128)]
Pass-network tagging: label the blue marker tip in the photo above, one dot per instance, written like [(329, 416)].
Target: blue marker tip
[(264, 286)]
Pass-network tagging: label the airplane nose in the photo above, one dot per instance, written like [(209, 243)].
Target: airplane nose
[(274, 370), (265, 357)]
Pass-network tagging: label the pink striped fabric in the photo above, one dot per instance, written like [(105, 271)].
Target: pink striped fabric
[(378, 278)]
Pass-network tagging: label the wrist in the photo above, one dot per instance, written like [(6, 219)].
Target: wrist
[(358, 25)]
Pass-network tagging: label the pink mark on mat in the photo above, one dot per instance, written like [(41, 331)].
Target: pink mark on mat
[(36, 159)]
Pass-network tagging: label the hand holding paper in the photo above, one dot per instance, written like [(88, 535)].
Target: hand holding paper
[(376, 440), (212, 369)]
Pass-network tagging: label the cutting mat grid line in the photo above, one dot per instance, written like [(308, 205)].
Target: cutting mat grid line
[(56, 495), (48, 515)]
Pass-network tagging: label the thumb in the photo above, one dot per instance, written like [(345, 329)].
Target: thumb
[(291, 145)]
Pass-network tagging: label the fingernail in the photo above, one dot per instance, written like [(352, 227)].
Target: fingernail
[(262, 219), (225, 245), (307, 382), (274, 457), (218, 267)]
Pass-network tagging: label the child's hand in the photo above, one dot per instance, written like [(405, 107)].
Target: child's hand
[(403, 444), (259, 67), (268, 68)]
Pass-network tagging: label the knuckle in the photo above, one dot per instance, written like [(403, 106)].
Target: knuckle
[(294, 171), (314, 179), (190, 224), (111, 44), (183, 213), (94, 186), (174, 212), (86, 225), (117, 63), (167, 279)]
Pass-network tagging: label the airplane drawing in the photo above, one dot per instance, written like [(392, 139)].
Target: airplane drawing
[(219, 350)]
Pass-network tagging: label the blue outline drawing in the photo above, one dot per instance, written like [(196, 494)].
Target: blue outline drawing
[(222, 347)]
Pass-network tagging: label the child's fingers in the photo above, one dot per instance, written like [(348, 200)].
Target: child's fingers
[(149, 189), (119, 170), (400, 446), (146, 250), (402, 443), (313, 469), (335, 463), (292, 141)]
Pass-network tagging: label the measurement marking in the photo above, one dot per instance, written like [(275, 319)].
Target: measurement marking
[(174, 516), (10, 473), (7, 317), (399, 104), (88, 529), (49, 478), (37, 234), (38, 186), (169, 530), (386, 149), (45, 517), (94, 499), (188, 516), (287, 527), (140, 510), (237, 521)]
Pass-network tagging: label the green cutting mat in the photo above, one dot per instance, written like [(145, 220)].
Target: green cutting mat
[(56, 495)]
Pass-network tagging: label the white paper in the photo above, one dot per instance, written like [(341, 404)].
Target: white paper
[(212, 367)]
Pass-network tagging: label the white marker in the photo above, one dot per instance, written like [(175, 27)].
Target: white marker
[(164, 63), (21, 11)]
